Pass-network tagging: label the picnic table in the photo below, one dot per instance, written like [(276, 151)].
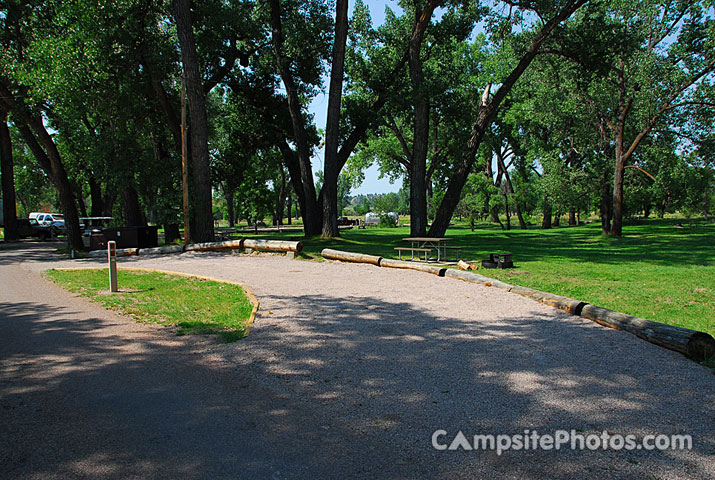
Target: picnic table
[(427, 245)]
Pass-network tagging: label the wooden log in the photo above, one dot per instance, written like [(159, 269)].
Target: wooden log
[(421, 267), (272, 245), (569, 305), (331, 254), (462, 265), (697, 345), (122, 252), (214, 246), (476, 278), (161, 250)]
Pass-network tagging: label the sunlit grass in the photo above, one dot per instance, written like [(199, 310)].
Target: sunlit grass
[(656, 270), (192, 305)]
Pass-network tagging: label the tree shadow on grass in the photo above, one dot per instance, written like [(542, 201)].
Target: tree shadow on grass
[(656, 242)]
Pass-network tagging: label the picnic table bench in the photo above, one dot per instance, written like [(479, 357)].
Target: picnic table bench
[(427, 245), (413, 250)]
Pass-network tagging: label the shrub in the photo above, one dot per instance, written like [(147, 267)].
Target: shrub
[(387, 220)]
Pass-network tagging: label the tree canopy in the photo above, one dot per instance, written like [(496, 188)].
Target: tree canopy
[(531, 109)]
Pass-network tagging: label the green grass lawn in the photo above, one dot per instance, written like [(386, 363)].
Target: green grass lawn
[(192, 305), (656, 271)]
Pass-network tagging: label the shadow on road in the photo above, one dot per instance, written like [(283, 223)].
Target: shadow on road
[(357, 395)]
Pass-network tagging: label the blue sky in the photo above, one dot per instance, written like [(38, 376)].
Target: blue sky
[(319, 108)]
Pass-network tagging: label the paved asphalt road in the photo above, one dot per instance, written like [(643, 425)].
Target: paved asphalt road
[(85, 393)]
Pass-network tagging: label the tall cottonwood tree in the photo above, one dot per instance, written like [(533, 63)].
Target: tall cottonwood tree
[(311, 211), (329, 192), (656, 79), (202, 214), (489, 104), (8, 180), (421, 106), (21, 25), (637, 66)]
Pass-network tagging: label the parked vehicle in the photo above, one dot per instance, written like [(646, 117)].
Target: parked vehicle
[(372, 218), (28, 227), (47, 218)]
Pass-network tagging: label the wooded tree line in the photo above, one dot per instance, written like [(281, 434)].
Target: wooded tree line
[(483, 107)]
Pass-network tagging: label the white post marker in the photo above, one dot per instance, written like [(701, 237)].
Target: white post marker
[(112, 258)]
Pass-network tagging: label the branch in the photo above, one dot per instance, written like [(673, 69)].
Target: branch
[(361, 127), (223, 70), (670, 28), (398, 133), (530, 54), (666, 107), (401, 160)]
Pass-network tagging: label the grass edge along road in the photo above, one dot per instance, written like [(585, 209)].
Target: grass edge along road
[(191, 304), (656, 270)]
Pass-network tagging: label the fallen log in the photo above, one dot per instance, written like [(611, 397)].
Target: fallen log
[(697, 345), (570, 305), (331, 254), (213, 246), (476, 278), (161, 250), (272, 245), (422, 267), (123, 252)]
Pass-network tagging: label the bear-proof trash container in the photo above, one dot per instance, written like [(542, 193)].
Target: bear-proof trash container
[(132, 237)]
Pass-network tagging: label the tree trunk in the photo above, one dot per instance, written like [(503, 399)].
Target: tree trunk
[(48, 157), (294, 171), (506, 210), (624, 105), (82, 206), (557, 219), (95, 196), (8, 181), (330, 168), (110, 196), (311, 214), (510, 189), (572, 216), (661, 209), (290, 208), (229, 195), (495, 216), (202, 229), (617, 225), (606, 200), (133, 215), (280, 200), (420, 143), (546, 221)]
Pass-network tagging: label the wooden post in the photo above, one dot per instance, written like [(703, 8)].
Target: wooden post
[(112, 258), (184, 164)]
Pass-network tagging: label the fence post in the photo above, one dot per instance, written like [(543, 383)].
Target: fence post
[(112, 258)]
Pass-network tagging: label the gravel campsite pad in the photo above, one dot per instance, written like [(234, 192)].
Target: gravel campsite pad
[(375, 360)]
